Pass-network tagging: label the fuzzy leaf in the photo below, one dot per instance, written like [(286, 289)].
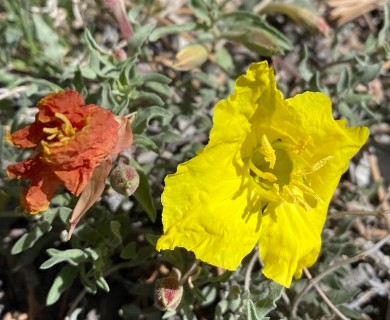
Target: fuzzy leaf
[(72, 256), (61, 283)]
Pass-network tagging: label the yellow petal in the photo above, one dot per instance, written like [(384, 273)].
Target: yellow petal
[(210, 210), (290, 239), (255, 98), (329, 138)]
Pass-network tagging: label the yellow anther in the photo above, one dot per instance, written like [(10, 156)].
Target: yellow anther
[(318, 165), (268, 152), (303, 203), (288, 195), (66, 127), (305, 189), (301, 145), (313, 168)]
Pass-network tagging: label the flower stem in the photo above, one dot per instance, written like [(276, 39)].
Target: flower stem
[(335, 266)]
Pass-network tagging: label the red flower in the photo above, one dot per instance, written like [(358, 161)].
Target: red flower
[(74, 146)]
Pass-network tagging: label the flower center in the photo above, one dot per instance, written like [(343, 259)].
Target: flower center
[(273, 167), (62, 132)]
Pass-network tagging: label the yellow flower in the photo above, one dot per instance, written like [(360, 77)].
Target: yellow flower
[(266, 176)]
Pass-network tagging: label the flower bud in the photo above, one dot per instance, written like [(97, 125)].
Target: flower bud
[(124, 179), (168, 292), (190, 57)]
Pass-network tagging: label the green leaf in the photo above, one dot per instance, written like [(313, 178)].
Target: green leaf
[(155, 77), (72, 256), (140, 35), (61, 283), (129, 251), (144, 98), (49, 40), (143, 193), (29, 239), (224, 59), (262, 307), (254, 32), (365, 71), (42, 226), (352, 314), (102, 283), (116, 231), (304, 70), (382, 35), (344, 82), (144, 116), (201, 11), (144, 142), (173, 28)]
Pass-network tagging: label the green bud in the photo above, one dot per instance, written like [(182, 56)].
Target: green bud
[(124, 179), (168, 292)]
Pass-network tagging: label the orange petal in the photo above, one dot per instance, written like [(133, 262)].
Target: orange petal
[(67, 102), (75, 161), (28, 137), (125, 134), (44, 183), (91, 193)]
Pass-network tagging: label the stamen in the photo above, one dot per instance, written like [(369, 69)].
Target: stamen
[(301, 145), (315, 167), (305, 189), (265, 175), (66, 127), (268, 152)]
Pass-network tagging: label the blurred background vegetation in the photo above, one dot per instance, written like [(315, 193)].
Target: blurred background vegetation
[(181, 58)]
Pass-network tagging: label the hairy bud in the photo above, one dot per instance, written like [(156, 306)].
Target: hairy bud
[(124, 179), (168, 292)]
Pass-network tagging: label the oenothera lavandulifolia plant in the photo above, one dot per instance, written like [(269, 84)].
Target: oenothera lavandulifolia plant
[(266, 176), (74, 146)]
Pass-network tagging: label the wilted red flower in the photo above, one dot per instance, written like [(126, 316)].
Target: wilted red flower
[(75, 145)]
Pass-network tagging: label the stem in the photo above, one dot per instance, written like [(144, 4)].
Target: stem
[(377, 213), (335, 266), (189, 272), (249, 272), (323, 296), (81, 295)]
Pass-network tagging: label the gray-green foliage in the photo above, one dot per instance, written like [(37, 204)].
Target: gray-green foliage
[(115, 242)]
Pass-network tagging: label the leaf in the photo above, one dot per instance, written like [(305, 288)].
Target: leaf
[(352, 314), (382, 35), (304, 70), (143, 193), (102, 283), (365, 71), (147, 98), (224, 59), (254, 32), (129, 251), (145, 142), (144, 116), (27, 240), (344, 82), (139, 37), (262, 307), (42, 226), (174, 28), (155, 77), (61, 283), (200, 10), (116, 231), (72, 256)]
